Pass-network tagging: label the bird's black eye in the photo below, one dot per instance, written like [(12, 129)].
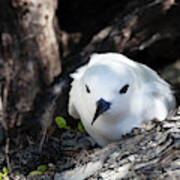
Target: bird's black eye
[(124, 89), (87, 89)]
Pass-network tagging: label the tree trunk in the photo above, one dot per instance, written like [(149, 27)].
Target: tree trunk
[(30, 53)]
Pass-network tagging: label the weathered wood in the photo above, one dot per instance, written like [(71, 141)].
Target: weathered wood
[(149, 153), (30, 53)]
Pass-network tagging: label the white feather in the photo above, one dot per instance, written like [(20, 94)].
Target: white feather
[(148, 97)]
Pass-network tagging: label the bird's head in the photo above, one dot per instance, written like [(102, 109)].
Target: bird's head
[(108, 90)]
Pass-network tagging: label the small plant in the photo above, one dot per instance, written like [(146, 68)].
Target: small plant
[(62, 124), (4, 174), (80, 127), (40, 170)]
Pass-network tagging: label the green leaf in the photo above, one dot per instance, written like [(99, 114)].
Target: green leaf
[(3, 174), (61, 122), (5, 170), (35, 172), (80, 127), (42, 168)]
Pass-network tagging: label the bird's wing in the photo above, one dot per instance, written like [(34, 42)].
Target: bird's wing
[(157, 93)]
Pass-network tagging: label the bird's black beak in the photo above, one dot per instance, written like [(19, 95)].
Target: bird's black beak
[(101, 107)]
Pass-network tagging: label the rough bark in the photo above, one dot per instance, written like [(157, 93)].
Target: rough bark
[(149, 153), (30, 53)]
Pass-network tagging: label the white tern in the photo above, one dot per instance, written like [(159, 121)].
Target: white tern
[(113, 94)]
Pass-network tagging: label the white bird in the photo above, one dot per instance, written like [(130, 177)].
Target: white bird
[(113, 94)]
